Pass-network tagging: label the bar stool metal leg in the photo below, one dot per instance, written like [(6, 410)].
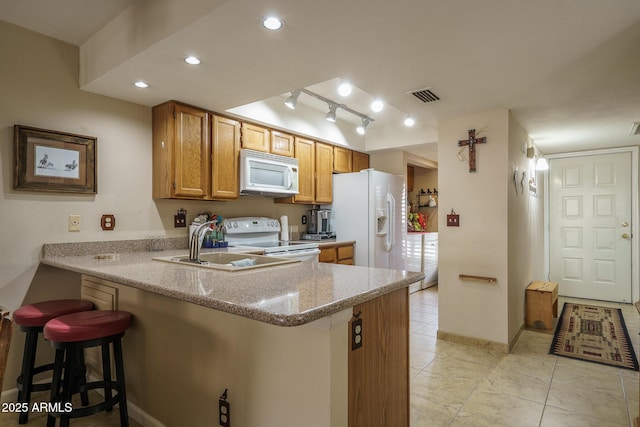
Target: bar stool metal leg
[(55, 383), (122, 389), (106, 375), (26, 378)]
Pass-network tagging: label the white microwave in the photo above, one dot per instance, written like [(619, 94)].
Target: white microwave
[(267, 174)]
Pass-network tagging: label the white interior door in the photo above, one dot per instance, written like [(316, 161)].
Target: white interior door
[(590, 226)]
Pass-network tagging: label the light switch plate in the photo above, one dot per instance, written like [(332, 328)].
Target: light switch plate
[(74, 223)]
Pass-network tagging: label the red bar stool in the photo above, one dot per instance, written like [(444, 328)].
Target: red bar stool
[(31, 320), (70, 335)]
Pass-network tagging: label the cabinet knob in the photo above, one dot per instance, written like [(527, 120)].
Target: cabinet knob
[(625, 236)]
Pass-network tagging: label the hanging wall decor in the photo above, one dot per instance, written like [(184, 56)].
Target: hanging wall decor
[(48, 160), (471, 142)]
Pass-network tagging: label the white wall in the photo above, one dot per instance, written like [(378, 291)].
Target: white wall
[(525, 227), (479, 245)]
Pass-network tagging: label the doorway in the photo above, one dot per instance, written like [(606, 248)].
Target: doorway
[(591, 214)]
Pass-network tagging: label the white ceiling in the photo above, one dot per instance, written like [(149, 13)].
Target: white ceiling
[(568, 70)]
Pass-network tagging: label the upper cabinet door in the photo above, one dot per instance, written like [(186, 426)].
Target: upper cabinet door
[(191, 151), (225, 149), (304, 150), (324, 169), (282, 143), (360, 161), (255, 137), (342, 159)]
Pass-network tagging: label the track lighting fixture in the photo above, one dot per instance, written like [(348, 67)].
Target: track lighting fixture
[(293, 99), (331, 115), (333, 107), (362, 129)]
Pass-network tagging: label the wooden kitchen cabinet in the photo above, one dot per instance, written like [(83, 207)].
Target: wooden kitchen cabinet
[(225, 149), (359, 161), (181, 165), (379, 369), (410, 178), (339, 253), (282, 143), (315, 178), (256, 137), (324, 173), (342, 160), (195, 154), (304, 152)]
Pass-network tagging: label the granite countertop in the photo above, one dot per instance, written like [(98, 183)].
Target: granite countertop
[(284, 295)]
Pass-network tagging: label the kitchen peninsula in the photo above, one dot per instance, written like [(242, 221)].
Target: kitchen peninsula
[(279, 338)]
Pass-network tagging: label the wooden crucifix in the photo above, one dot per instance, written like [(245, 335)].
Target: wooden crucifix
[(471, 142)]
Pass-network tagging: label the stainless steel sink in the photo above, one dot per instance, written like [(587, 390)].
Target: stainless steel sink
[(224, 260)]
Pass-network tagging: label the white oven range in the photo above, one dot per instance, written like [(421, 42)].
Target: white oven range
[(263, 233)]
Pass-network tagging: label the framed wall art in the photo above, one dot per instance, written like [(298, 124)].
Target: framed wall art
[(47, 160)]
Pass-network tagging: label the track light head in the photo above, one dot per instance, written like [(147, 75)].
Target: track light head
[(362, 129), (292, 100), (331, 115)]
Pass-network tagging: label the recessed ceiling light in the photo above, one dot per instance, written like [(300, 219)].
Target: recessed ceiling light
[(192, 60), (140, 84), (377, 105), (272, 23), (345, 89), (409, 121)]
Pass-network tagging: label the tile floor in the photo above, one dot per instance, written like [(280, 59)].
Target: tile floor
[(457, 385)]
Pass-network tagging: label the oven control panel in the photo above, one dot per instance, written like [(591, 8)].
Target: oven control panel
[(251, 225)]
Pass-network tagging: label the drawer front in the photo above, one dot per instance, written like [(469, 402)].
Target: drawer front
[(345, 252), (328, 255)]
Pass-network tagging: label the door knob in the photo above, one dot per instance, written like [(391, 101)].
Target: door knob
[(625, 224), (625, 236)]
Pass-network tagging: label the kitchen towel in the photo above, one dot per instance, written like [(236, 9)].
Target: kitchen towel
[(284, 228)]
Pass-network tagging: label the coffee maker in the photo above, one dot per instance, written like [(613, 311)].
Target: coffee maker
[(319, 226)]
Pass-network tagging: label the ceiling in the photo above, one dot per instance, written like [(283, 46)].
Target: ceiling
[(568, 70)]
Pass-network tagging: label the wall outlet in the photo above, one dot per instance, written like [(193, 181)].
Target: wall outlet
[(224, 410), (356, 334), (108, 222), (74, 223)]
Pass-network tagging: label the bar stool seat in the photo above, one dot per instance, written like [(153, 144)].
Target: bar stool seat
[(70, 335), (38, 314), (31, 319)]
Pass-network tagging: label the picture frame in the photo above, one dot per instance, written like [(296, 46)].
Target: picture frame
[(52, 161)]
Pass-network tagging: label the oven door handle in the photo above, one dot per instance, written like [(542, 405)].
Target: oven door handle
[(293, 254)]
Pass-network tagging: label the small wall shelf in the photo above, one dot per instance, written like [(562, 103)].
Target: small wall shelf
[(423, 198)]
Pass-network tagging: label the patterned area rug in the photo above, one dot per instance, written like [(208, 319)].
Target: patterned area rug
[(595, 334)]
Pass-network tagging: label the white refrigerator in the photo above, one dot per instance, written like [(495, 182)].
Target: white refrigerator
[(369, 207)]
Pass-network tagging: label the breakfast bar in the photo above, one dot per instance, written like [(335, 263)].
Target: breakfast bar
[(278, 339)]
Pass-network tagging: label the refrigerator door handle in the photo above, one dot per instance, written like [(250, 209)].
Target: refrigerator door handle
[(391, 212)]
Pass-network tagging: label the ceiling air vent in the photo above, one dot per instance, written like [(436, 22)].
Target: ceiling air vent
[(635, 129), (425, 95)]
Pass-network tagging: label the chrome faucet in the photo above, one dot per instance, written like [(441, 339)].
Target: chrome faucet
[(196, 240)]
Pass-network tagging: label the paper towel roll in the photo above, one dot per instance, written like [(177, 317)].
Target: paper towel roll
[(284, 228)]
